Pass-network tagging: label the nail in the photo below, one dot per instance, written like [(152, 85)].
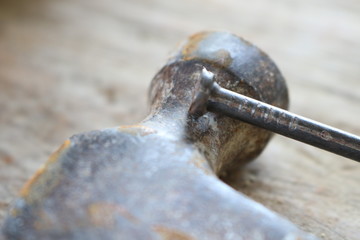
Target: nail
[(272, 118)]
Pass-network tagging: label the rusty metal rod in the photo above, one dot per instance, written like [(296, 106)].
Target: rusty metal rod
[(279, 120)]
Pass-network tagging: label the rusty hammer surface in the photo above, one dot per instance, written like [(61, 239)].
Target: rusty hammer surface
[(159, 179)]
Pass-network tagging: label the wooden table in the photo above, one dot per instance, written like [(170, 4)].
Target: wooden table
[(75, 65)]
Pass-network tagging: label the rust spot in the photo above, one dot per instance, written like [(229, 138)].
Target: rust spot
[(26, 188), (8, 159), (137, 130), (193, 44), (53, 158), (171, 234), (222, 56), (104, 214)]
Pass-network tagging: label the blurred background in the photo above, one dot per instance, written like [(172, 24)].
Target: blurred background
[(76, 65)]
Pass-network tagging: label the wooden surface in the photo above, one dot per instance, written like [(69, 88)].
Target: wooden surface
[(75, 65)]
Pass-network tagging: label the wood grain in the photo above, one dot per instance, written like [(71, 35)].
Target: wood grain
[(73, 66)]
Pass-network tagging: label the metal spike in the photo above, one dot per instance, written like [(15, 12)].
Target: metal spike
[(273, 119)]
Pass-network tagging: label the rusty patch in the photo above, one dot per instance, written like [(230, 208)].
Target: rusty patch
[(104, 214), (171, 234), (53, 158), (137, 130), (7, 159), (26, 188), (193, 44)]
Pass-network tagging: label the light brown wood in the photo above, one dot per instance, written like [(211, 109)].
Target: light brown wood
[(76, 65)]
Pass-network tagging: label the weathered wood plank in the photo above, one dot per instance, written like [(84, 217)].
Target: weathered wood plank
[(72, 66)]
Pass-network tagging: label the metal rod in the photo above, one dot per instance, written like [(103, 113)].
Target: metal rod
[(281, 121)]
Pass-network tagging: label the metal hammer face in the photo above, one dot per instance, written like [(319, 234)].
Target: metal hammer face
[(157, 179), (238, 66)]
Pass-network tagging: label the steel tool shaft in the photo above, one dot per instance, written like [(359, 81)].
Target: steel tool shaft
[(275, 119)]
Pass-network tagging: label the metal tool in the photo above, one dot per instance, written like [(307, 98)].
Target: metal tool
[(159, 179), (272, 118)]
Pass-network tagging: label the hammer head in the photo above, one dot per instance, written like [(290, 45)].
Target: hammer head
[(238, 66), (149, 181)]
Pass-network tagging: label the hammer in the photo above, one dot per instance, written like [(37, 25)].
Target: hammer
[(159, 179)]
